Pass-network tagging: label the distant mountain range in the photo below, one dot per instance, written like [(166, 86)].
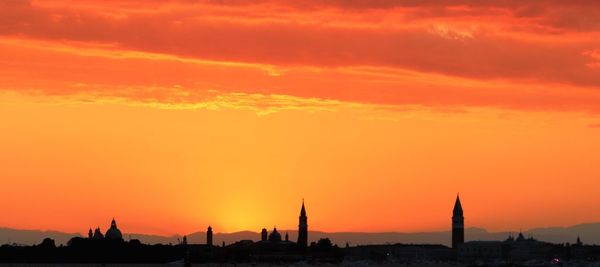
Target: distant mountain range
[(589, 233)]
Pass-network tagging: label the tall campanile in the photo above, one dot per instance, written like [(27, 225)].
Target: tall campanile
[(303, 228), (209, 236), (458, 224)]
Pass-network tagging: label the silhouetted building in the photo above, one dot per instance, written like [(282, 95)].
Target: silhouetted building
[(483, 250), (521, 237), (98, 234), (263, 235), (287, 237), (47, 243), (275, 236), (209, 236), (113, 232), (512, 249), (303, 228), (458, 224)]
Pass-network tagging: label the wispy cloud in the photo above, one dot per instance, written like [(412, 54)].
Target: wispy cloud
[(434, 53), (440, 38)]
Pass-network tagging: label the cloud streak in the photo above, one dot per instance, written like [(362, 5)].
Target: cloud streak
[(497, 53), (72, 70)]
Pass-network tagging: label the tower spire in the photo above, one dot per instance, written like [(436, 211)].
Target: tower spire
[(457, 206), (303, 228), (458, 224), (303, 210)]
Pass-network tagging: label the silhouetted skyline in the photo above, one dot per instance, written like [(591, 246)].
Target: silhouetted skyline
[(192, 131), (111, 247)]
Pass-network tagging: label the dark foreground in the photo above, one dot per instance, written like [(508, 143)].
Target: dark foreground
[(104, 252)]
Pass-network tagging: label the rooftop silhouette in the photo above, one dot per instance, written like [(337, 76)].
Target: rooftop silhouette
[(272, 247)]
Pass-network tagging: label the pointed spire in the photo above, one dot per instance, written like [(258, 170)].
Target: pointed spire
[(303, 210), (458, 211)]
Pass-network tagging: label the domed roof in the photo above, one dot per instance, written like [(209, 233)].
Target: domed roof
[(275, 236), (113, 232)]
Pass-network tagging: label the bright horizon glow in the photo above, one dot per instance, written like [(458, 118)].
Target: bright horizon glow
[(173, 116)]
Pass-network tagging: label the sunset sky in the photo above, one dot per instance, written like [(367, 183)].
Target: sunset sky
[(173, 115)]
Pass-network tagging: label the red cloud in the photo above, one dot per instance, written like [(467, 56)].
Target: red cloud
[(289, 41), (479, 40)]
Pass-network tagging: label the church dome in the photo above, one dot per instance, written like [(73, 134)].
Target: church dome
[(113, 232), (275, 236)]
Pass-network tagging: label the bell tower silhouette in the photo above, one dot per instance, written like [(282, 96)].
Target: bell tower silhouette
[(264, 235), (209, 236), (303, 228), (458, 224)]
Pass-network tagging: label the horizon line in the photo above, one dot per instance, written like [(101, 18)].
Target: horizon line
[(320, 231)]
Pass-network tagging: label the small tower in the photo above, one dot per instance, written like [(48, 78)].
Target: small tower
[(90, 234), (209, 236), (458, 224), (184, 241), (287, 237), (303, 228), (263, 234), (98, 234)]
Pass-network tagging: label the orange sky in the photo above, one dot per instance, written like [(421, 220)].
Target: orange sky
[(172, 115)]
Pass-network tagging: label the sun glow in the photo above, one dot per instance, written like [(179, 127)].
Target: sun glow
[(172, 117)]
